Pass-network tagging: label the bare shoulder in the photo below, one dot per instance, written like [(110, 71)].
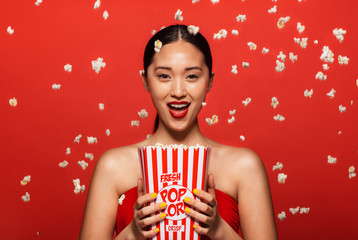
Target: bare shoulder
[(121, 165)]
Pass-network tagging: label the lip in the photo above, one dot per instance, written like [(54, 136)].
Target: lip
[(178, 113)]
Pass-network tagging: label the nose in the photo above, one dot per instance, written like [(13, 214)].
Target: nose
[(178, 88)]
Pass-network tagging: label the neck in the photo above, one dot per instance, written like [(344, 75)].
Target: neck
[(190, 136)]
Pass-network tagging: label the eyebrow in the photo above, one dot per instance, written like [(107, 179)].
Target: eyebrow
[(186, 69)]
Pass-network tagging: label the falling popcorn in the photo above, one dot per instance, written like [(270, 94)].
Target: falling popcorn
[(281, 56), (68, 151), (293, 57), (77, 138), (98, 64), (342, 108), (13, 102), (215, 1), (278, 166), (274, 102), (10, 30), (203, 104), (265, 50), (89, 156), (143, 113), (193, 29), (300, 27), (83, 164), (234, 69), (281, 177), (231, 120), (308, 93), (38, 2), (153, 32), (302, 42), (235, 32), (157, 45), (108, 132), (280, 66), (26, 197), (327, 54), (315, 41), (56, 86), (325, 66), (281, 22), (232, 112), (294, 210), (97, 4), (105, 15), (195, 1), (25, 180), (63, 164), (339, 33), (178, 15), (279, 118), (321, 76), (121, 198), (241, 17), (343, 60), (351, 172), (101, 106), (214, 119), (68, 67), (141, 72), (246, 101), (245, 64), (281, 216), (331, 93), (91, 140), (252, 45), (304, 210), (135, 123), (221, 34), (273, 9), (331, 159), (242, 137), (78, 187)]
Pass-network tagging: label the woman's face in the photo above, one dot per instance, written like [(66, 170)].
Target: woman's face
[(178, 81)]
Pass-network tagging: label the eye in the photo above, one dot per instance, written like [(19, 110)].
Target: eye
[(192, 76), (163, 76)]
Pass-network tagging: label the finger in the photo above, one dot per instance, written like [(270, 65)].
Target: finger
[(201, 230), (199, 206), (198, 215), (211, 185), (140, 188), (151, 220), (151, 233), (144, 200), (147, 210), (206, 196)]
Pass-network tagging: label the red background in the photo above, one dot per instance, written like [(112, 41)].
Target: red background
[(36, 133)]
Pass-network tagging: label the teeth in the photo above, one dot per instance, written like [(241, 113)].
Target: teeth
[(178, 105)]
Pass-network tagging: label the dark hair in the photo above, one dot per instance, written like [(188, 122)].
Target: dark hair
[(171, 34)]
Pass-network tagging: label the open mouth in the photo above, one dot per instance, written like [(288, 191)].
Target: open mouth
[(178, 109)]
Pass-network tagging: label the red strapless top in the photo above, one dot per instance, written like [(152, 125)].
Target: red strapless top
[(227, 207)]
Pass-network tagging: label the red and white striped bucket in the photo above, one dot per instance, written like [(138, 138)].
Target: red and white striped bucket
[(173, 173)]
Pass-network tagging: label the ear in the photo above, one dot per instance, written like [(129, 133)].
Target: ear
[(145, 81), (211, 81)]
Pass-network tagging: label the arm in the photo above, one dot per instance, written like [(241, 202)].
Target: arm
[(254, 198)]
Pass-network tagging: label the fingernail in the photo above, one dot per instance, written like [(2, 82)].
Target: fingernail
[(163, 204), (194, 226), (186, 199), (187, 210), (156, 230), (163, 215), (196, 191), (153, 195)]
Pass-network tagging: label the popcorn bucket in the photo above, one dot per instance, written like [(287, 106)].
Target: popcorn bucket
[(173, 173)]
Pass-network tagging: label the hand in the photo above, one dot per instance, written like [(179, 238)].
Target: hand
[(142, 217), (206, 212)]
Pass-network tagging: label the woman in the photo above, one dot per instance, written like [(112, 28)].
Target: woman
[(178, 75)]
